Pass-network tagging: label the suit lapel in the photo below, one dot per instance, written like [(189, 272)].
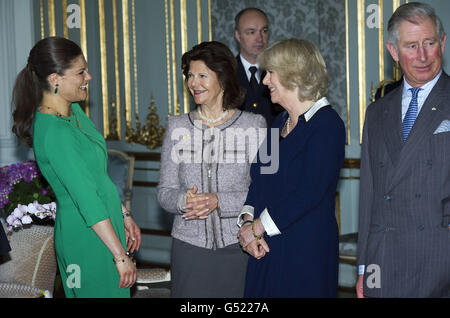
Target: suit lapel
[(392, 117), (242, 76), (428, 119)]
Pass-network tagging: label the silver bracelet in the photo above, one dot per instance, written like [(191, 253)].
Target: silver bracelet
[(126, 213)]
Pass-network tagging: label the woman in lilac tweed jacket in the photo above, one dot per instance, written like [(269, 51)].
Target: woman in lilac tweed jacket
[(204, 176), (229, 181)]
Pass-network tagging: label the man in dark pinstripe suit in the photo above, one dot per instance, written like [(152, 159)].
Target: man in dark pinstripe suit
[(404, 214)]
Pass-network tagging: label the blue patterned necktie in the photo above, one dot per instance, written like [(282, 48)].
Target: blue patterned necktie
[(411, 114)]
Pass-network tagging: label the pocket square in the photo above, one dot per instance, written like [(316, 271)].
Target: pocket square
[(443, 127)]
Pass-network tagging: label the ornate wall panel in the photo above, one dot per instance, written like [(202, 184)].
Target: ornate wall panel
[(133, 49), (322, 22)]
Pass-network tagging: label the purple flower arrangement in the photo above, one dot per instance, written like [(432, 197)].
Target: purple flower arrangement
[(25, 195)]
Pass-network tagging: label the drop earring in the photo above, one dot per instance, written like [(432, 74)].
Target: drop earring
[(56, 88)]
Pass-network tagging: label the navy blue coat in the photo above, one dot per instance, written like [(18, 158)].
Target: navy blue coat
[(300, 198)]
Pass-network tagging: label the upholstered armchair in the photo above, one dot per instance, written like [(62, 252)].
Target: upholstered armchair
[(29, 269), (151, 282), (121, 171)]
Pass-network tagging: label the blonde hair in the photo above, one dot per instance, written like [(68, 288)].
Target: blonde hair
[(298, 63)]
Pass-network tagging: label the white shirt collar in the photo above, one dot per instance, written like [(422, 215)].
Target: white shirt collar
[(314, 108), (427, 87), (246, 64)]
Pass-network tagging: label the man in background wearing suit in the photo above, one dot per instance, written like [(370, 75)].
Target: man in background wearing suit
[(404, 212), (252, 33)]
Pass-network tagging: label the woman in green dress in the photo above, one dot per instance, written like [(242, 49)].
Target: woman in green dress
[(92, 229)]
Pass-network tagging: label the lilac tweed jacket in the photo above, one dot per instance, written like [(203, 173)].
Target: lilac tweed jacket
[(217, 161)]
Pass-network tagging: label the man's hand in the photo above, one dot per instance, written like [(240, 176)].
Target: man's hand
[(359, 287)]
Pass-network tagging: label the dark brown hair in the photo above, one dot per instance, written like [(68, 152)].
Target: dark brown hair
[(48, 56), (219, 59)]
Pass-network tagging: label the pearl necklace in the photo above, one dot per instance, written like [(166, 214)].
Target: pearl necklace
[(288, 120), (286, 125), (212, 120)]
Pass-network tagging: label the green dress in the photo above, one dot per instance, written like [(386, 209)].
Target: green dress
[(72, 156)]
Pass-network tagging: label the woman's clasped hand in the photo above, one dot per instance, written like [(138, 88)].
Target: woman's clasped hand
[(199, 206), (252, 241)]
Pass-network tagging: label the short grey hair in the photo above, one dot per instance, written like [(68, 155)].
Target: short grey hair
[(238, 16), (413, 12)]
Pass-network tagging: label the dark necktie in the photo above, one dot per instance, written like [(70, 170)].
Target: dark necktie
[(411, 113), (253, 82)]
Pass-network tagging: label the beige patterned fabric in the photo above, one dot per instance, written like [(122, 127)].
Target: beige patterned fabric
[(152, 275), (8, 290), (32, 259)]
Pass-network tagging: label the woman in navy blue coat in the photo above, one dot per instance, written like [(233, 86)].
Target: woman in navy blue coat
[(288, 222)]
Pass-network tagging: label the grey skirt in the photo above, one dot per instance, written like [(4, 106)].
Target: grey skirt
[(203, 273)]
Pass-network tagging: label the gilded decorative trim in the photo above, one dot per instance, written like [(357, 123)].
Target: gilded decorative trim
[(199, 21), (151, 134), (41, 12), (347, 70), (104, 67), (169, 84), (184, 46), (84, 48), (133, 30), (116, 68), (361, 65), (209, 20), (395, 5), (126, 59), (381, 41), (51, 18), (351, 163), (174, 62), (64, 17)]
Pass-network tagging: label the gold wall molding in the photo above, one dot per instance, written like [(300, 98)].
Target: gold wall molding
[(380, 41), (51, 17), (126, 58), (209, 20), (184, 48), (347, 71), (64, 18), (174, 60), (169, 84), (103, 66), (116, 105), (135, 73), (361, 64), (84, 47), (199, 21), (41, 13), (121, 99)]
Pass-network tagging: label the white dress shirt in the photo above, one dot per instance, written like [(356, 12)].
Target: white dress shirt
[(247, 65), (421, 97)]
